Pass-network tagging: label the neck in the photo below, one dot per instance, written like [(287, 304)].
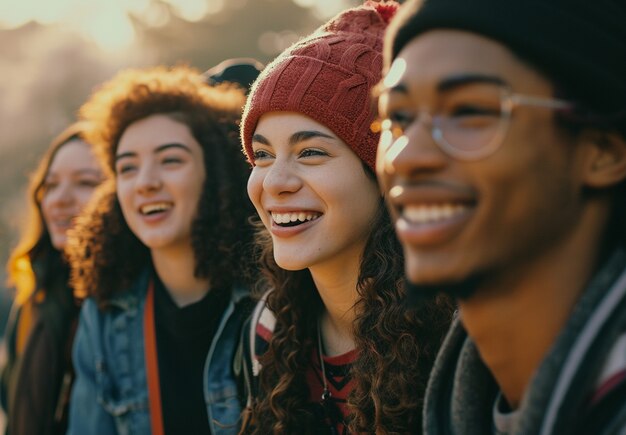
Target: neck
[(175, 268), (515, 318), (337, 289)]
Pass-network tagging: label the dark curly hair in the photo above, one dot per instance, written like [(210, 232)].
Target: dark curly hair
[(104, 253), (391, 338)]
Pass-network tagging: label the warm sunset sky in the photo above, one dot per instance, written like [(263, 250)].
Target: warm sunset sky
[(54, 52), (108, 22)]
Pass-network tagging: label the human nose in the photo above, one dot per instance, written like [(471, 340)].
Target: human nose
[(415, 151), (148, 179), (281, 178)]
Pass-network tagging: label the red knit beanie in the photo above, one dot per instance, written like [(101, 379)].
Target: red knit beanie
[(328, 76)]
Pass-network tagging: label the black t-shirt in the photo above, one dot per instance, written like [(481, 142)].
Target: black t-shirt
[(184, 336)]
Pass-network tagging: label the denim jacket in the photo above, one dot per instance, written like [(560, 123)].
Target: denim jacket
[(110, 393)]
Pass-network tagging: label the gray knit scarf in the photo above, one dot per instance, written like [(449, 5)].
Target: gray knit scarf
[(461, 390)]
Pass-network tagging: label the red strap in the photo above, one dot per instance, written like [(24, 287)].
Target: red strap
[(152, 366)]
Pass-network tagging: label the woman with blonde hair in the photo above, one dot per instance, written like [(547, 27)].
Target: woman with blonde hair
[(36, 380)]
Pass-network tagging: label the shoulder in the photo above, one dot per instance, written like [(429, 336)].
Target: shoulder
[(607, 407), (128, 299), (242, 302), (123, 309), (91, 319)]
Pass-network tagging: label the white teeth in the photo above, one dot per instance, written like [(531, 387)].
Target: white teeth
[(432, 213), (158, 206), (285, 218)]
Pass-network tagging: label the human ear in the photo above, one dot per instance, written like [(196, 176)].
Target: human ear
[(606, 164)]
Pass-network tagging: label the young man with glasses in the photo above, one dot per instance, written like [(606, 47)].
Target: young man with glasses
[(503, 158)]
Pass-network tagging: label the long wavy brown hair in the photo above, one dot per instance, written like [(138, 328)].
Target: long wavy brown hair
[(35, 245), (106, 256), (392, 339)]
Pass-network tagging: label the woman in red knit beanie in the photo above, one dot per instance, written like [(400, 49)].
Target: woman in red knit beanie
[(332, 348)]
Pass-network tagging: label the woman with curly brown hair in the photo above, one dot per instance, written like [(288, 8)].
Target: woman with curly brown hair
[(38, 372), (337, 350), (162, 253)]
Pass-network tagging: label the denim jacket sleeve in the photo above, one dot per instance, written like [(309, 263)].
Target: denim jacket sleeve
[(224, 405), (87, 415), (110, 393)]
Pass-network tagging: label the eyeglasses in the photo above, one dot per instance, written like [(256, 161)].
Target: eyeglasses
[(469, 126)]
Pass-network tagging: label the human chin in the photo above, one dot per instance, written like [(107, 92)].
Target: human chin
[(460, 290), (158, 239), (427, 276), (425, 267), (58, 241), (148, 238), (289, 259), (151, 237)]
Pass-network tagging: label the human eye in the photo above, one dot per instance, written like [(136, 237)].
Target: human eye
[(49, 185), (397, 121), (88, 182), (473, 115), (261, 154), (472, 106), (125, 168), (399, 118), (171, 160), (474, 110), (312, 152)]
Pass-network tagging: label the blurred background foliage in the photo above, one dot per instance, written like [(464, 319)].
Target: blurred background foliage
[(54, 52)]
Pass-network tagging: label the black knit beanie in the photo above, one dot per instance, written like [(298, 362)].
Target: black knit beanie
[(579, 44), (241, 70)]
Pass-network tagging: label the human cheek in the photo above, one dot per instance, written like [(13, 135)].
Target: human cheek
[(255, 188), (124, 199), (82, 197), (45, 211), (366, 198)]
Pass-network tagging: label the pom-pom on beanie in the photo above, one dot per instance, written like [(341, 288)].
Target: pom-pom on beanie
[(328, 76), (579, 44)]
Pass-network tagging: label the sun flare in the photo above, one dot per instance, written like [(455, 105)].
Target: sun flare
[(107, 22)]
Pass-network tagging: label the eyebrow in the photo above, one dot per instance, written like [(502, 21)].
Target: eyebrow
[(158, 149), (299, 136), (85, 171), (260, 139), (400, 88), (455, 81)]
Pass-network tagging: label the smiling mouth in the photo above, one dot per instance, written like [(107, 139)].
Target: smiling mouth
[(294, 218), (154, 208), (432, 213), (63, 223)]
